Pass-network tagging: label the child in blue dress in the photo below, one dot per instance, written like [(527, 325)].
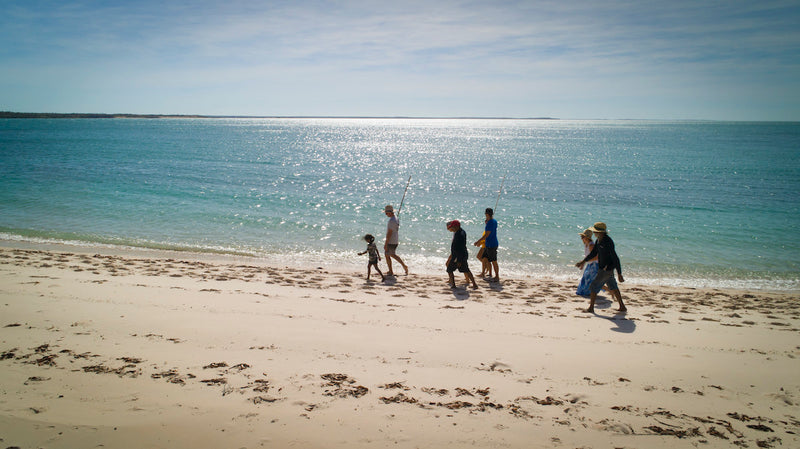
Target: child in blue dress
[(590, 269)]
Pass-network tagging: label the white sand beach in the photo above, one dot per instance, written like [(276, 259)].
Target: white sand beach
[(174, 351)]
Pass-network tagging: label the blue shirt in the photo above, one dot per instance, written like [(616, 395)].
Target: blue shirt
[(491, 239)]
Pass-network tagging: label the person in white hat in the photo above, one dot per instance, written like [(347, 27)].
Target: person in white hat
[(392, 240), (590, 268), (607, 262)]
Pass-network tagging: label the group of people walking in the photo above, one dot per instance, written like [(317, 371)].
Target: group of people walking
[(459, 255), (389, 248), (599, 264)]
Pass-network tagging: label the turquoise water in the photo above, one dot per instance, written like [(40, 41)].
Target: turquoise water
[(687, 203)]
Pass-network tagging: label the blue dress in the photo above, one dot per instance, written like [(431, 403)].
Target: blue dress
[(589, 273)]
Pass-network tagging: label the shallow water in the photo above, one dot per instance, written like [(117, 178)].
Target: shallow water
[(687, 203)]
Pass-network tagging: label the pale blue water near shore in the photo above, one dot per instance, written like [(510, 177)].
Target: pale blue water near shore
[(706, 204)]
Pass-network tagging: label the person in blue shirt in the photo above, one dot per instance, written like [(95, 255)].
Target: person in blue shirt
[(490, 239)]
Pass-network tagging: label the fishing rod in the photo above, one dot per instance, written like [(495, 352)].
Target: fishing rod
[(501, 191), (404, 197)]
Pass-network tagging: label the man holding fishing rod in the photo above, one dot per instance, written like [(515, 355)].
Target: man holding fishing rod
[(392, 234), (392, 240)]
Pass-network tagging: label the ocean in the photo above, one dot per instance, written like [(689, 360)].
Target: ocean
[(700, 204)]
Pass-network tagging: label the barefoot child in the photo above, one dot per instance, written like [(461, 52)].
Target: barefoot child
[(374, 256)]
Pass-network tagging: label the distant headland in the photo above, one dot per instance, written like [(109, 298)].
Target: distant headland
[(9, 114), (75, 115)]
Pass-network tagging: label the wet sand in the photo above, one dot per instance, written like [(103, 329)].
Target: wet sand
[(130, 351)]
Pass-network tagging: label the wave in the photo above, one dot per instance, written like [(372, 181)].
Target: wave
[(74, 239), (670, 275)]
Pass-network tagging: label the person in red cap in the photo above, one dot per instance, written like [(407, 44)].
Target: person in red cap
[(458, 255)]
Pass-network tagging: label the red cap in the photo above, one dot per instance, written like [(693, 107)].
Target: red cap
[(450, 224)]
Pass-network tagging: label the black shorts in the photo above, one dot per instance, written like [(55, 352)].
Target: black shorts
[(464, 268), (490, 254)]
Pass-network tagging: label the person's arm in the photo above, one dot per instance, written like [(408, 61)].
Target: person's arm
[(483, 238), (618, 265), (591, 256), (594, 259), (389, 232)]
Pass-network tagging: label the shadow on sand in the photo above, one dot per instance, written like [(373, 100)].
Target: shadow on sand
[(496, 286), (389, 280), (461, 293), (621, 322)]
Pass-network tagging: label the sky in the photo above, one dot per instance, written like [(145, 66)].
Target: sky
[(603, 59)]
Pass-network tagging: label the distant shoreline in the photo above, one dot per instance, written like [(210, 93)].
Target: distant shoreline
[(9, 114)]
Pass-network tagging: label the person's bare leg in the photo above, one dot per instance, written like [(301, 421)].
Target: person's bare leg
[(618, 296), (401, 263), (484, 267), (496, 271), (470, 278), (592, 299), (389, 264)]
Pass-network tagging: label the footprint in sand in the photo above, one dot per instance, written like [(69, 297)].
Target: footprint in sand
[(496, 366)]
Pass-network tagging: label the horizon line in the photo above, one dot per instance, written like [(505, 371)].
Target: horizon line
[(99, 115), (12, 114)]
